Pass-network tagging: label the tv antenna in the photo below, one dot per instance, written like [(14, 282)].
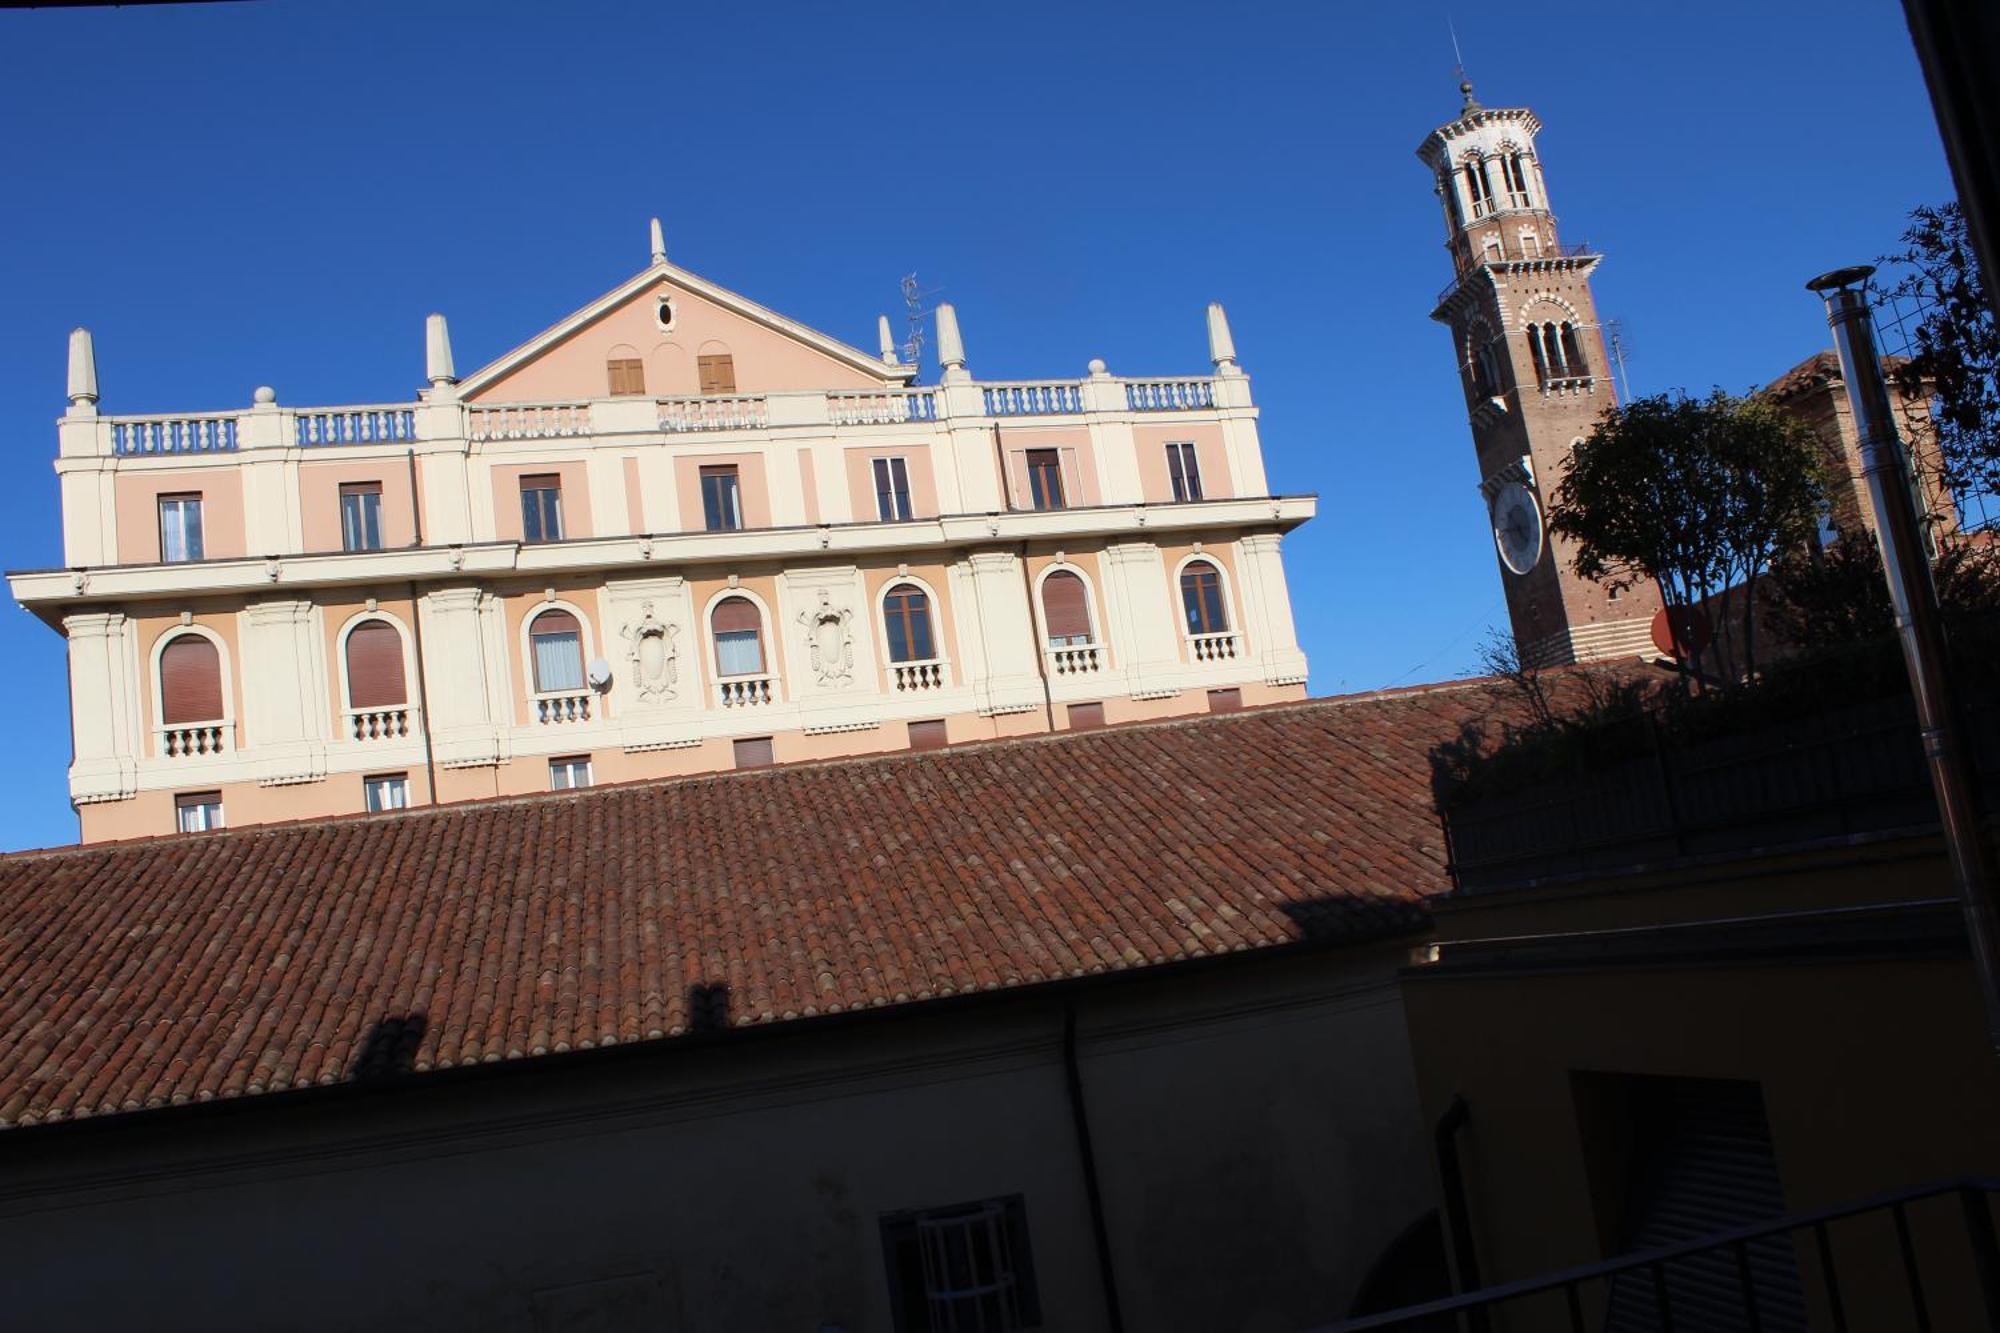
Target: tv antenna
[(914, 298), (1621, 347)]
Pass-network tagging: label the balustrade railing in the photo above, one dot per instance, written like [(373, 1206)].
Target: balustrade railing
[(1054, 398), (1169, 395), (712, 413), (919, 675), (556, 709), (173, 435), (527, 421), (881, 408), (1078, 660), (193, 740), (744, 691), (378, 724), (1213, 647), (389, 424)]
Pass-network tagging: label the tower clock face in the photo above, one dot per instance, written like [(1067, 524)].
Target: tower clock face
[(1517, 527)]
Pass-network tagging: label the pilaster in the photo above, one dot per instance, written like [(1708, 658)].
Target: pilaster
[(459, 643), (282, 674), (1001, 652), (1139, 609), (104, 706), (1267, 609)]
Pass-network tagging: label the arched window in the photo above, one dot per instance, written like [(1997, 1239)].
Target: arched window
[(375, 666), (739, 637), (906, 615), (190, 681), (1572, 350), (1201, 599), (1539, 352), (555, 640), (1516, 172), (1066, 608)]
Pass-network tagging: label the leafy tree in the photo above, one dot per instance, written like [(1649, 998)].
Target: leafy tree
[(1839, 598), (1956, 357), (1698, 495)]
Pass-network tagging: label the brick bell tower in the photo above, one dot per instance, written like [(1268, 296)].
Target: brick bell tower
[(1531, 357)]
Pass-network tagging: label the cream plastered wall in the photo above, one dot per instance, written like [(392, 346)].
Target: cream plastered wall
[(319, 501), (218, 620), (1079, 463), (576, 509), (917, 464), (753, 486), (765, 360), (150, 814), (635, 518), (1211, 461), (138, 508)]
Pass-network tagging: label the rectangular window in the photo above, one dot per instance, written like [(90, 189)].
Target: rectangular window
[(569, 772), (754, 752), (721, 499), (361, 516), (198, 811), (928, 735), (390, 791), (718, 373), (541, 509), (1045, 488), (892, 490), (628, 376), (1082, 717), (1224, 701), (964, 1267), (180, 527), (1184, 469)]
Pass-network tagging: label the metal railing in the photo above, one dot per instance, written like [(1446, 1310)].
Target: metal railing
[(1564, 1293)]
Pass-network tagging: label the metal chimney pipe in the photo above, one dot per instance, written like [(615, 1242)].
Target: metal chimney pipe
[(1915, 601)]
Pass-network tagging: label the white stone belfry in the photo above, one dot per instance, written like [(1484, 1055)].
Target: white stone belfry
[(82, 369), (1221, 346), (888, 340), (437, 352), (659, 242), (951, 347)]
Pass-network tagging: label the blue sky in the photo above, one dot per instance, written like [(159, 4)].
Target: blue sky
[(276, 193)]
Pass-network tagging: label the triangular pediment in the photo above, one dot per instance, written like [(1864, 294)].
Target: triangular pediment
[(767, 352)]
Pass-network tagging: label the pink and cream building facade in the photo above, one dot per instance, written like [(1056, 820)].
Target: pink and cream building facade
[(676, 532)]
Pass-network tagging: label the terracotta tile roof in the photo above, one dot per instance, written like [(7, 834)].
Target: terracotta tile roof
[(1816, 372), (220, 965)]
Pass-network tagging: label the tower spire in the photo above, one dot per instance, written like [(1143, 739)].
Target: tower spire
[(1458, 70)]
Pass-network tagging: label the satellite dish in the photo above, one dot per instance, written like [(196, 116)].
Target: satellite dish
[(600, 674)]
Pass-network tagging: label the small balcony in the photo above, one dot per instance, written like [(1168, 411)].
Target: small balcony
[(741, 692), (1221, 647), (195, 740), (378, 724), (562, 708), (1082, 659), (917, 677)]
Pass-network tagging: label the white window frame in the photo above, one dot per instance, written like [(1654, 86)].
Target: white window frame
[(566, 766), (209, 822), (586, 645), (893, 464), (1190, 460), (394, 785), (183, 502)]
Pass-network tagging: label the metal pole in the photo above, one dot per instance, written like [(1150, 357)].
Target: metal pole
[(1915, 602)]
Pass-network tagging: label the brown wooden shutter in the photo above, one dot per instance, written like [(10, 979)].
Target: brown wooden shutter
[(754, 752), (190, 681), (375, 666), (928, 735), (736, 613), (627, 375), (1065, 606), (718, 373), (1083, 717)]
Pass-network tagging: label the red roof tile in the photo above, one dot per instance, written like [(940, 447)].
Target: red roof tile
[(218, 965)]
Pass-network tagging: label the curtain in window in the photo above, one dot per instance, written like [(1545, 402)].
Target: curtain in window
[(557, 641), (180, 529), (739, 642)]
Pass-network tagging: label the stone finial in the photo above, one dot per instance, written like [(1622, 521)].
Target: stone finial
[(437, 352), (1221, 346), (82, 369), (888, 340), (264, 396), (659, 242), (950, 346), (1098, 370)]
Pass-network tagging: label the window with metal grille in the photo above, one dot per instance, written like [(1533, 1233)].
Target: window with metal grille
[(180, 527), (906, 615), (389, 791), (892, 490), (718, 373), (361, 516), (627, 375), (739, 637), (753, 752), (568, 772), (963, 1269), (541, 509), (375, 666), (198, 811), (190, 681), (721, 498), (1066, 608), (555, 640), (1045, 485), (1184, 470), (1201, 599)]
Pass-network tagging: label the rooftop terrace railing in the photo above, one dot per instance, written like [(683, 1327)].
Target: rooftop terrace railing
[(206, 433)]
